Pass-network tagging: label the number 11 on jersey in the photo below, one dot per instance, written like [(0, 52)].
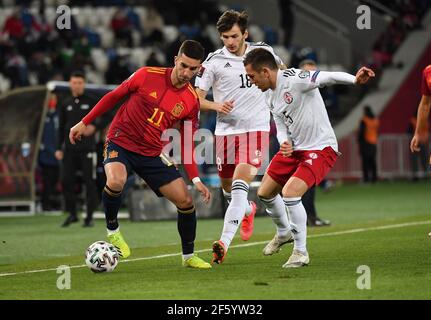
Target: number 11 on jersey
[(151, 120)]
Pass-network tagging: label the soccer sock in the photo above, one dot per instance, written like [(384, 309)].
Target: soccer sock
[(276, 209), (111, 202), (298, 222), (235, 212), (228, 197), (186, 224)]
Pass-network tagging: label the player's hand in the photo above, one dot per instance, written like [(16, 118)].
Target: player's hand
[(363, 75), (90, 130), (59, 155), (286, 149), (414, 144), (225, 108), (205, 193), (76, 132)]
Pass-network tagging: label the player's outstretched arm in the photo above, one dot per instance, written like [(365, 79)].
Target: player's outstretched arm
[(206, 105), (420, 134)]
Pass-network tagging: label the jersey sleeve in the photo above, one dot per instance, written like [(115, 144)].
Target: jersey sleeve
[(426, 82), (189, 126), (308, 80), (205, 77), (282, 134), (110, 99)]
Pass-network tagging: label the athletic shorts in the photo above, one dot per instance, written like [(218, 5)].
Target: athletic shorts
[(310, 166), (156, 171), (231, 150)]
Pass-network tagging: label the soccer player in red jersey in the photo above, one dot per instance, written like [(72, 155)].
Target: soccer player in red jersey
[(423, 110), (423, 113), (159, 98)]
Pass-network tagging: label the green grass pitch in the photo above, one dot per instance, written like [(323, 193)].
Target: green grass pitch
[(384, 227)]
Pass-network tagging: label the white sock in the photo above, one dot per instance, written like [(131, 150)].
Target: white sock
[(112, 231), (277, 210), (187, 256), (235, 212), (298, 222), (228, 197)]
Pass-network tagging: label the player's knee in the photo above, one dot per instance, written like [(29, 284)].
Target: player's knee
[(186, 202), (116, 182)]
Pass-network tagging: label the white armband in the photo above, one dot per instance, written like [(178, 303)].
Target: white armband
[(196, 180)]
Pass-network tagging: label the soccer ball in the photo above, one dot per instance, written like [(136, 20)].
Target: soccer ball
[(101, 256)]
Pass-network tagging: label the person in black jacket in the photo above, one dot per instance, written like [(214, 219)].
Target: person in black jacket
[(81, 156)]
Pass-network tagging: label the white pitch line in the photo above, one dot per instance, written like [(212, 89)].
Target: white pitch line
[(168, 255)]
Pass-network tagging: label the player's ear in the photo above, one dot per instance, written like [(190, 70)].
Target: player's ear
[(175, 60), (245, 34)]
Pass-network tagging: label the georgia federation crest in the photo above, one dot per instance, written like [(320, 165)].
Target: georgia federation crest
[(288, 98)]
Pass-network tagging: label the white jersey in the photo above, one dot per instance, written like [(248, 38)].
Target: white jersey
[(298, 108), (225, 73)]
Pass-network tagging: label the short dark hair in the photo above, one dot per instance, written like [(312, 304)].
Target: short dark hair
[(77, 74), (259, 58), (192, 49), (231, 17)]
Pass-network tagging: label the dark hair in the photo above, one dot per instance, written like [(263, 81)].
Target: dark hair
[(77, 74), (259, 58), (231, 17), (192, 49), (369, 112)]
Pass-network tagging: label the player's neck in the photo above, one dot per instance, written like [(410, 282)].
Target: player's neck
[(176, 82), (241, 50), (273, 80)]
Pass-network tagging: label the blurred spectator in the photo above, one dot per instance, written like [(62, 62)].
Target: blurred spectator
[(367, 138), (49, 165), (153, 60), (16, 69), (122, 28), (287, 21), (153, 25)]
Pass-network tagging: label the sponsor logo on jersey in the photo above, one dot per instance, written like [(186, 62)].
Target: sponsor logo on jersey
[(304, 74), (313, 155), (177, 110), (227, 65), (309, 161), (153, 94), (84, 106), (201, 72), (69, 108), (288, 97)]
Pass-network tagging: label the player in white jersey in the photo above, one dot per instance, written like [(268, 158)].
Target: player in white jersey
[(308, 146), (242, 128)]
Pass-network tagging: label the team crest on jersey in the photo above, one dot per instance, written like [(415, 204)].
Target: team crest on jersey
[(313, 155), (177, 110), (288, 97), (304, 74), (201, 72)]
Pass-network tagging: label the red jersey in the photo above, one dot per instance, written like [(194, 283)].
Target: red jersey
[(154, 105), (426, 81)]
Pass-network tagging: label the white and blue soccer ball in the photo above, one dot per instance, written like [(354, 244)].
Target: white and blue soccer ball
[(101, 256)]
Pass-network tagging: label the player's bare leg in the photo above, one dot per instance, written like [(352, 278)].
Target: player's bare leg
[(176, 192), (116, 176), (269, 194), (292, 193)]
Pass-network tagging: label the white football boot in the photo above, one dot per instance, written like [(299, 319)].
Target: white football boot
[(297, 259), (275, 244)]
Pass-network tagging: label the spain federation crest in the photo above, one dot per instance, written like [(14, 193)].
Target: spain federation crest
[(177, 110)]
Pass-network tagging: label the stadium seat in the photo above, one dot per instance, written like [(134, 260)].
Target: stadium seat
[(170, 33), (256, 33), (99, 59)]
